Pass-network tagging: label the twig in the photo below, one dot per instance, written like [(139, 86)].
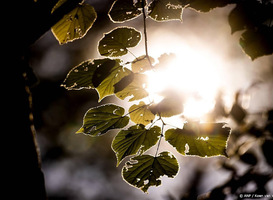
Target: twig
[(145, 33)]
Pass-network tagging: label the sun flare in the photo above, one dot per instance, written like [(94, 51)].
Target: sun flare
[(194, 75)]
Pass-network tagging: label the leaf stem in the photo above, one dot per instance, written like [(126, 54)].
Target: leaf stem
[(161, 136), (145, 33)]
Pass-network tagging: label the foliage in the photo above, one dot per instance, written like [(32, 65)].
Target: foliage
[(109, 76)]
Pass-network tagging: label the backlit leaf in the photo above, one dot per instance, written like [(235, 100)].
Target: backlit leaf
[(134, 140), (205, 5), (124, 10), (81, 76), (75, 24), (145, 170), (257, 42), (106, 87), (101, 119), (208, 139), (136, 88), (116, 42), (165, 10), (140, 114), (142, 64), (171, 105)]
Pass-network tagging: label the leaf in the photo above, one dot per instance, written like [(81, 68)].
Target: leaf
[(116, 42), (142, 64), (75, 24), (135, 140), (140, 114), (165, 10), (103, 71), (249, 14), (171, 105), (257, 42), (136, 88), (208, 139), (106, 87), (205, 5), (145, 170), (101, 119), (124, 10), (58, 4), (81, 76)]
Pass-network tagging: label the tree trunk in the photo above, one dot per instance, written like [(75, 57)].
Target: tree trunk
[(28, 20)]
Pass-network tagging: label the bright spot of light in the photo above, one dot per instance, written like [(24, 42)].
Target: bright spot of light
[(194, 73)]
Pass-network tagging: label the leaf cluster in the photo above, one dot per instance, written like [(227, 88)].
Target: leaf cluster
[(111, 76)]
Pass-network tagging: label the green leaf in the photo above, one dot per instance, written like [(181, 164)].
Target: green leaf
[(136, 88), (81, 76), (116, 42), (106, 87), (75, 24), (135, 140), (124, 10), (104, 70), (145, 170), (208, 139), (101, 119), (142, 64), (140, 114), (165, 10)]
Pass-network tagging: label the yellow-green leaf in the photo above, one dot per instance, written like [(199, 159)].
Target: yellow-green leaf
[(135, 140), (75, 24), (140, 114), (137, 88), (106, 87), (205, 139), (142, 64)]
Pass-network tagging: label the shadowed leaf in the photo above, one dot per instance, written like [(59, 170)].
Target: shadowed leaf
[(205, 5), (116, 42), (165, 10), (145, 170), (134, 140), (103, 71), (116, 74), (257, 42), (101, 119), (136, 88), (124, 10)]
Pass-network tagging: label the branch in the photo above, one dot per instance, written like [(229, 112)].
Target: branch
[(145, 33)]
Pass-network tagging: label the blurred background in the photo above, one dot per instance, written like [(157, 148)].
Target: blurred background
[(79, 167)]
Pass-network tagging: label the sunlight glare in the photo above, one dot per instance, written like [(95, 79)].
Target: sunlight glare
[(195, 74)]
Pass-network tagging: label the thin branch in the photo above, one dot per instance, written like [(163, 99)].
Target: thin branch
[(161, 136), (145, 33)]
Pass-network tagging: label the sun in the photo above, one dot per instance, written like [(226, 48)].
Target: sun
[(194, 74)]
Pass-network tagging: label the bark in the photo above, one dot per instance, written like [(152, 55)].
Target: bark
[(27, 22)]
